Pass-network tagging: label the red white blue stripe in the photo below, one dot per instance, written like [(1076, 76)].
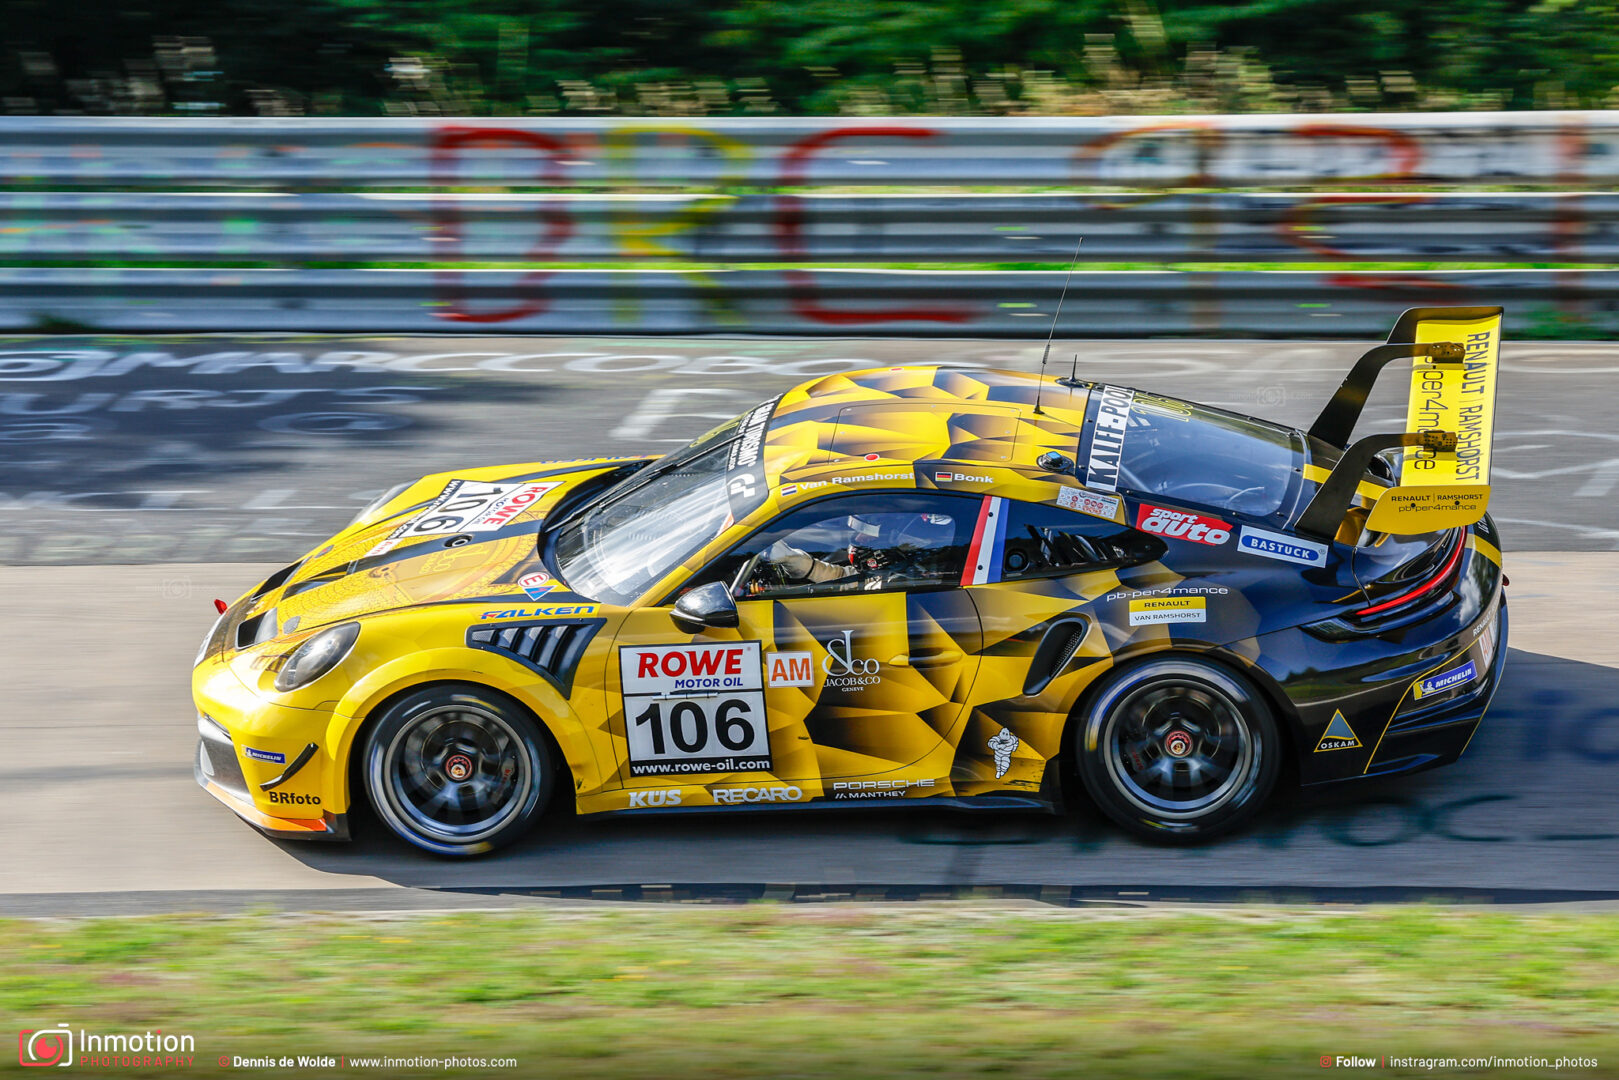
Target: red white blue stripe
[(988, 545)]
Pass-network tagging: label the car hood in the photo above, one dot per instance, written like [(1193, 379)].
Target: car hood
[(370, 567)]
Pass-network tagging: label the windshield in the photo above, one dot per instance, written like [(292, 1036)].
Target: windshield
[(1197, 454), (621, 546)]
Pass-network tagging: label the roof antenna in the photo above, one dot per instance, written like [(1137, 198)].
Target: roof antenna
[(1041, 385)]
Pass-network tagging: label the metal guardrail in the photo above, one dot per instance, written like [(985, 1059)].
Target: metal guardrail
[(267, 202), (248, 228), (837, 302), (1564, 148)]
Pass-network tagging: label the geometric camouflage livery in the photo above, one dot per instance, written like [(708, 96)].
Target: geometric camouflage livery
[(961, 695)]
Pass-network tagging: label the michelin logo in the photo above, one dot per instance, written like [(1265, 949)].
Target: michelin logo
[(1286, 548), (1003, 745), (1451, 679)]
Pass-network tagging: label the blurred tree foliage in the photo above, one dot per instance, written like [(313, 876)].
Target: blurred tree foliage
[(677, 57)]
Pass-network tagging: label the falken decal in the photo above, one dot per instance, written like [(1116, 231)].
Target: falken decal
[(1450, 680), (1338, 736), (1272, 545), (1182, 525), (540, 612), (1107, 437)]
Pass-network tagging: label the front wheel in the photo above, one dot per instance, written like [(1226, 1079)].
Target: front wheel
[(458, 770), (1178, 749)]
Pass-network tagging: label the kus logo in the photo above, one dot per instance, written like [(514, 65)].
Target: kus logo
[(1182, 525), (47, 1047), (655, 798)]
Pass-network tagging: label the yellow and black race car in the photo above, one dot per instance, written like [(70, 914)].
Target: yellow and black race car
[(918, 584)]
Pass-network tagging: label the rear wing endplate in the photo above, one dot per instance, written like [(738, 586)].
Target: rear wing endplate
[(1450, 416)]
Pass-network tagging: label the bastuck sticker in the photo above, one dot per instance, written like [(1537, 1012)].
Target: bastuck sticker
[(1274, 545)]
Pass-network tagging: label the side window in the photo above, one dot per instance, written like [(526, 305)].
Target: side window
[(1048, 541), (853, 543)]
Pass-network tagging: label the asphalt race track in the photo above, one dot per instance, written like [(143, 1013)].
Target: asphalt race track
[(143, 478)]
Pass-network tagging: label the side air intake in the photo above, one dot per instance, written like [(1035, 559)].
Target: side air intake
[(551, 648), (1051, 656)]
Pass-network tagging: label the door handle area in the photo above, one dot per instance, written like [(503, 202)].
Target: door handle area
[(926, 659)]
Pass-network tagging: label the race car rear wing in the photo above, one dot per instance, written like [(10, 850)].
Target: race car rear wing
[(1445, 480)]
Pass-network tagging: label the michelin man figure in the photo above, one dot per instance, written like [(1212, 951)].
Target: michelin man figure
[(1003, 745)]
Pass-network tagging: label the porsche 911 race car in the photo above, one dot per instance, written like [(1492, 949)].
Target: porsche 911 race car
[(912, 585)]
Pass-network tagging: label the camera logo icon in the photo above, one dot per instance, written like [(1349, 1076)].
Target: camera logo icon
[(45, 1047)]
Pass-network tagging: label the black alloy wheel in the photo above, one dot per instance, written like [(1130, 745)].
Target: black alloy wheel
[(458, 769), (1178, 748)]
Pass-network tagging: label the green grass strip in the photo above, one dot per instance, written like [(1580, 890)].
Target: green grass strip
[(923, 990)]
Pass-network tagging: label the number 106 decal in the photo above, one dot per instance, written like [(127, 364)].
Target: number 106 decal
[(694, 708)]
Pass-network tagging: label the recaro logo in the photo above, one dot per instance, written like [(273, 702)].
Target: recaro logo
[(45, 1047)]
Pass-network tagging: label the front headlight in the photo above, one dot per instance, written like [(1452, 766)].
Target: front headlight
[(209, 642), (317, 656), (379, 502)]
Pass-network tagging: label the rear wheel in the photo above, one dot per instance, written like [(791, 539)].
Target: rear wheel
[(1178, 749), (458, 769)]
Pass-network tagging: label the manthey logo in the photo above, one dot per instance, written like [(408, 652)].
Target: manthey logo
[(53, 1047), (846, 671)]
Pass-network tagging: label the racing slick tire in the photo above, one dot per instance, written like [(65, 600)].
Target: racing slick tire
[(458, 769), (1178, 749)]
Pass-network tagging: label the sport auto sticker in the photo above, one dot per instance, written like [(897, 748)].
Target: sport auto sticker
[(467, 506), (1338, 736), (1181, 525), (694, 708)]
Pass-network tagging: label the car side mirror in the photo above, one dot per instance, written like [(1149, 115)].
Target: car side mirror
[(703, 607)]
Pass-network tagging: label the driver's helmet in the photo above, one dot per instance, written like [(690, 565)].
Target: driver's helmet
[(875, 540)]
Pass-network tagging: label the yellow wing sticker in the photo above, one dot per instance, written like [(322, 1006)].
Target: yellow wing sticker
[(1409, 511), (1454, 397)]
